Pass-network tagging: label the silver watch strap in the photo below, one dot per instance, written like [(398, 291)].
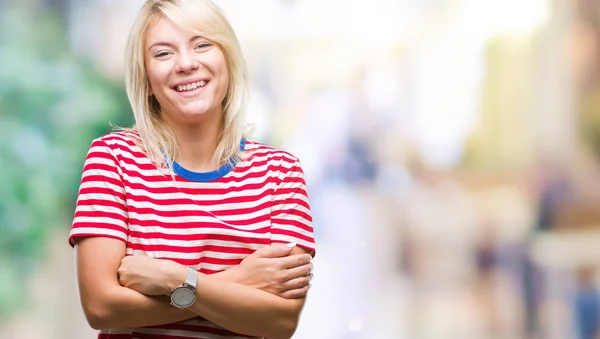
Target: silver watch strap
[(192, 278)]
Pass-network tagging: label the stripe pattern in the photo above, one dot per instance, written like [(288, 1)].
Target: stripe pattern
[(208, 225)]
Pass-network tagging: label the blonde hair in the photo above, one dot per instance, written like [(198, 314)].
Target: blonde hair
[(203, 18)]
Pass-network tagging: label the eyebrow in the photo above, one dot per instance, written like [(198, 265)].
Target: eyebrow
[(162, 43)]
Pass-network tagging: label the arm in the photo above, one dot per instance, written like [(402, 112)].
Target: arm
[(98, 234), (107, 304)]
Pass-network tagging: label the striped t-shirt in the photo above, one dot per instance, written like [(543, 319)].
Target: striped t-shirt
[(209, 221)]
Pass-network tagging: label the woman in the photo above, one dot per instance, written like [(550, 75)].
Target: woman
[(183, 228)]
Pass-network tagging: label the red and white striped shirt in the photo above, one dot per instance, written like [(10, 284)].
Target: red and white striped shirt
[(208, 221)]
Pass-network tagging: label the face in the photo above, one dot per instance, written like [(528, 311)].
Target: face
[(187, 73)]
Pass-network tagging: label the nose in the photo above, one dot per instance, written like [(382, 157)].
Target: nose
[(186, 63)]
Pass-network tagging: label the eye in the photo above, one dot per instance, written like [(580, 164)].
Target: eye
[(203, 45), (161, 54)]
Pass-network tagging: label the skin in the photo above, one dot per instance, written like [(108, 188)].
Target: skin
[(265, 294)]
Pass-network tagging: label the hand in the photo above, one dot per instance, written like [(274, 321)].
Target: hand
[(273, 270), (150, 276)]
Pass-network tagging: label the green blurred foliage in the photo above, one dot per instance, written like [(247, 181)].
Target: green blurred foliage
[(52, 104)]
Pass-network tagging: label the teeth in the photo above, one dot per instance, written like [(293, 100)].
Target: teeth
[(192, 86)]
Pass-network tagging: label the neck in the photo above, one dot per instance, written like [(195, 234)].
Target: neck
[(197, 144)]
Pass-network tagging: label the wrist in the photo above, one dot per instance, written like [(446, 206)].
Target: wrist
[(175, 277), (234, 274)]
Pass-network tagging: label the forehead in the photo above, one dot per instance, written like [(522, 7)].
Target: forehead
[(162, 29)]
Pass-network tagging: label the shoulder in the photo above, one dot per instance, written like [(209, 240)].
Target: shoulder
[(279, 164), (118, 142), (118, 138), (257, 151)]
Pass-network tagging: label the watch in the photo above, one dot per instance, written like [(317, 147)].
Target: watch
[(185, 295)]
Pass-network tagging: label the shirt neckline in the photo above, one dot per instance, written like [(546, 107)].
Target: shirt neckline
[(207, 176)]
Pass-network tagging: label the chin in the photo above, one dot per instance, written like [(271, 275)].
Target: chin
[(196, 114)]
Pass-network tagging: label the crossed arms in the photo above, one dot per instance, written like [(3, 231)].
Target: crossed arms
[(263, 296)]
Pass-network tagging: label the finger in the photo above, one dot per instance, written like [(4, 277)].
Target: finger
[(262, 252), (121, 279), (298, 272), (276, 250), (295, 260), (296, 293), (296, 283)]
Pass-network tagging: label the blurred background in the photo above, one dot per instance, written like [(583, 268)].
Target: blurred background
[(451, 149)]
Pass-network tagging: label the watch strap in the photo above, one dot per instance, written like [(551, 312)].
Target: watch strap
[(192, 278)]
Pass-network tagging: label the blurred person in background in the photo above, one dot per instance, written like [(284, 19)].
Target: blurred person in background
[(181, 221), (586, 304), (553, 190)]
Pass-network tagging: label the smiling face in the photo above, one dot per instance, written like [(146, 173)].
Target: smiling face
[(186, 73)]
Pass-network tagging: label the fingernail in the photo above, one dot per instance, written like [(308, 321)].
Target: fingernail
[(309, 285), (290, 245)]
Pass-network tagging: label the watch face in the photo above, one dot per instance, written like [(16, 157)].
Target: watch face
[(183, 296)]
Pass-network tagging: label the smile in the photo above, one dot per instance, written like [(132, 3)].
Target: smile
[(191, 87)]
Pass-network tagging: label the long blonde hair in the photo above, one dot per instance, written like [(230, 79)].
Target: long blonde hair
[(203, 18)]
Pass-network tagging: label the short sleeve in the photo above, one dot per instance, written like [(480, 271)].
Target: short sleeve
[(291, 220), (101, 208)]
